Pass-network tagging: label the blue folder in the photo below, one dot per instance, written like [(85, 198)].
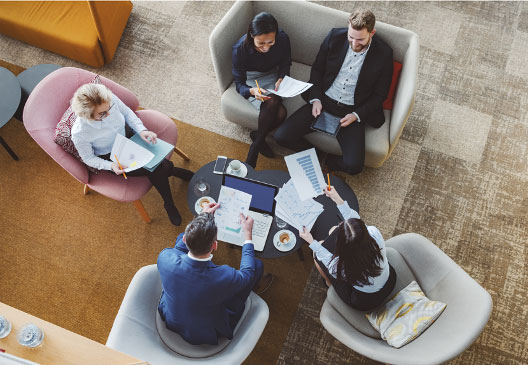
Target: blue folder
[(160, 150)]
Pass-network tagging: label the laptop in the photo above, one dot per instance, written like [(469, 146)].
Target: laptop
[(261, 208)]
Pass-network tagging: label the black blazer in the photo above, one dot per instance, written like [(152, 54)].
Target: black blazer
[(374, 78)]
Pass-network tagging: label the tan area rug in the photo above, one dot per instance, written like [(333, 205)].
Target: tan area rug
[(458, 176), (68, 258)]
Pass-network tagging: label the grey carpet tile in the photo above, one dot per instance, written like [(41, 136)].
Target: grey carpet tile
[(419, 119)]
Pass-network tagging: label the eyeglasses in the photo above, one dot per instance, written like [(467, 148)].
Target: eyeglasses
[(104, 114)]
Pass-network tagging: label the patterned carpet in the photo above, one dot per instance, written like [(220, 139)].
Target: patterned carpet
[(458, 175)]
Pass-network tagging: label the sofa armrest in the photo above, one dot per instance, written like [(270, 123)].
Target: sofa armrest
[(232, 26), (406, 91)]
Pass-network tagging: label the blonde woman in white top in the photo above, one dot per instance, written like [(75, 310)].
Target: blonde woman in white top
[(101, 115)]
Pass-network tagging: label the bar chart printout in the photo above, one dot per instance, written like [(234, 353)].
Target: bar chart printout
[(306, 173)]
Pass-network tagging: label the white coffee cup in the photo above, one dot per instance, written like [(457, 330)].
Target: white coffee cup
[(235, 166)]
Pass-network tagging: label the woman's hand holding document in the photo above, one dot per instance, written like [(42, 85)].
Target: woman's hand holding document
[(129, 153), (290, 87)]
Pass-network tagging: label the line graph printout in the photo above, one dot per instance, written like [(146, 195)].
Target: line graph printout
[(227, 216), (306, 173), (294, 211)]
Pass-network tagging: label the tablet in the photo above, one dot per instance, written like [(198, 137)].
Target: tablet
[(326, 123)]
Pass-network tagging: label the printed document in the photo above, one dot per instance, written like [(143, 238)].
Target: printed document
[(160, 150), (305, 171), (129, 153), (295, 212), (227, 216), (290, 87)]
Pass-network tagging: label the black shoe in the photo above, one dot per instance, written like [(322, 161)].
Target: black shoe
[(265, 149), (183, 174), (264, 283), (252, 156), (174, 216)]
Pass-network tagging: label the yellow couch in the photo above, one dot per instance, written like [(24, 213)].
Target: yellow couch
[(86, 31)]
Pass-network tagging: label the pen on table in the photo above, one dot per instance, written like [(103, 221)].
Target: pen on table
[(328, 177), (124, 175)]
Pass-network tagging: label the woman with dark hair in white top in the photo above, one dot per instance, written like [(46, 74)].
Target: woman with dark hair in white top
[(353, 259)]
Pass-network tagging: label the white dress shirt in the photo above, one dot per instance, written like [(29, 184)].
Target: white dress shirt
[(211, 256), (325, 256), (95, 138)]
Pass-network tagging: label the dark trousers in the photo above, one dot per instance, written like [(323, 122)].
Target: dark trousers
[(356, 298), (159, 178), (236, 304), (351, 138)]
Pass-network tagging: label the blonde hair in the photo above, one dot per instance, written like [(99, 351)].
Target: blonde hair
[(362, 18), (87, 97)]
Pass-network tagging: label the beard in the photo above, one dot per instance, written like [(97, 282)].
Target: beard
[(360, 48)]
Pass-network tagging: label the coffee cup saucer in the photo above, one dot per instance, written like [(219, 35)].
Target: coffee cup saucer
[(197, 206), (241, 173), (281, 246)]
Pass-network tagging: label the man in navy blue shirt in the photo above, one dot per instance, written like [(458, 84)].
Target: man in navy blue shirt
[(202, 301)]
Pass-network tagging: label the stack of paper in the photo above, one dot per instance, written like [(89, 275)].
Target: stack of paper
[(293, 210)]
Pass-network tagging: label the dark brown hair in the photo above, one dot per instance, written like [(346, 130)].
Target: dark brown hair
[(359, 256), (200, 234)]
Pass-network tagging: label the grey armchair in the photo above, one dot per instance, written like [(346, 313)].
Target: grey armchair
[(306, 37), (414, 257), (139, 331)]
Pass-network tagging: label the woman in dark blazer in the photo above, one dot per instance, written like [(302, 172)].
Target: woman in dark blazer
[(262, 55)]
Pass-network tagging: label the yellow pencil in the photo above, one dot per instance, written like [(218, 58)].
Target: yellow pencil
[(124, 175), (260, 91), (328, 177)]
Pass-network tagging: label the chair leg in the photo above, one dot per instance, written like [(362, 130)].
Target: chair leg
[(86, 189), (181, 153), (142, 211), (13, 155)]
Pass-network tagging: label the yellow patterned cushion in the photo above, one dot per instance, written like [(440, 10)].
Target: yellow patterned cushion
[(405, 316)]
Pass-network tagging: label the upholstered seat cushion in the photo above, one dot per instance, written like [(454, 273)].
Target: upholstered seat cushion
[(177, 344), (68, 27), (357, 318)]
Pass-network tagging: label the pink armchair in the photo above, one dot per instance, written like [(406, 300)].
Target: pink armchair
[(43, 110)]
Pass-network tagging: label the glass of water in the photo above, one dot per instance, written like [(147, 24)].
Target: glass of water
[(201, 187), (280, 223), (30, 335), (5, 327)]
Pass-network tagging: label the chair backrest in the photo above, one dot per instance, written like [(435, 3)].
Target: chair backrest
[(48, 102), (306, 36)]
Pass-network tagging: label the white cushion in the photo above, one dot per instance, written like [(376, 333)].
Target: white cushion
[(405, 316)]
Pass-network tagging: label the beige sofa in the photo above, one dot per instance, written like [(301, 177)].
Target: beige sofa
[(307, 24)]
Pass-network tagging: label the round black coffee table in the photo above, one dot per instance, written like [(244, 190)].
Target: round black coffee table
[(325, 221), (9, 101)]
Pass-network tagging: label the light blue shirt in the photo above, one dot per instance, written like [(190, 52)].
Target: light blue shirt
[(325, 256), (95, 138)]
